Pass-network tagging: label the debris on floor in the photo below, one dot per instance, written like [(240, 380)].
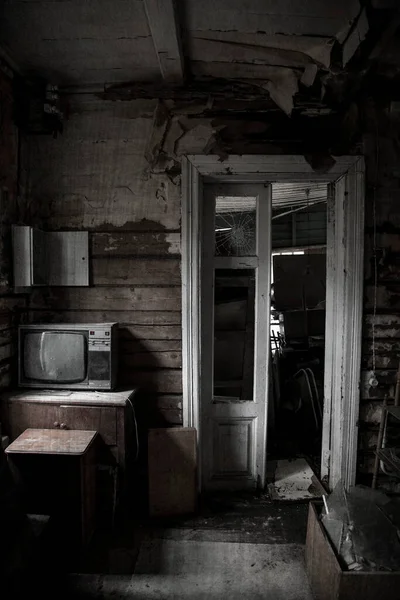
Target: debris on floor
[(363, 526), (295, 480)]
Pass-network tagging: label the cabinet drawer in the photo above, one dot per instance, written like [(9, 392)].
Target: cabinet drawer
[(22, 415), (92, 418)]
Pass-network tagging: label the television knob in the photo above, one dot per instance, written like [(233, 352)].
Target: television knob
[(63, 426), (56, 424)]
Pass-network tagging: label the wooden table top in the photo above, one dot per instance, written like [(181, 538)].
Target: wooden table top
[(81, 397), (52, 441)]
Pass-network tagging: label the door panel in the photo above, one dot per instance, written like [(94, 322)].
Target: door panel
[(235, 335), (233, 442)]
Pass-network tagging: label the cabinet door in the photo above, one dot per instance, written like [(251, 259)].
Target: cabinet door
[(91, 418), (24, 415)]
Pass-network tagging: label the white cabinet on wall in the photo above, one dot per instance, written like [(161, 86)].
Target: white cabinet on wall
[(43, 258)]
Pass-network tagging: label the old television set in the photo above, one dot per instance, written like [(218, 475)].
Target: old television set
[(68, 356)]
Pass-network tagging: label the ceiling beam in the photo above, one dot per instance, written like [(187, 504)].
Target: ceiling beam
[(163, 23), (217, 88)]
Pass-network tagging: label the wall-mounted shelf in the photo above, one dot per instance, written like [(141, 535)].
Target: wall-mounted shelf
[(45, 258)]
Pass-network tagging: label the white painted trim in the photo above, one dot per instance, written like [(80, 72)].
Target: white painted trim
[(262, 324), (355, 259), (206, 318), (191, 264), (272, 177), (330, 338), (268, 168), (343, 342), (335, 331), (342, 398), (236, 262)]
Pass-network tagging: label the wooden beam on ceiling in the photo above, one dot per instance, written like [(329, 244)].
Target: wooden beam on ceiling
[(163, 23), (206, 90)]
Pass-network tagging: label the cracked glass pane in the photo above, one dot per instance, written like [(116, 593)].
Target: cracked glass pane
[(235, 225)]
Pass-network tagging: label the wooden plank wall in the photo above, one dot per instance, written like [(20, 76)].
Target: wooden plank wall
[(95, 177), (10, 304)]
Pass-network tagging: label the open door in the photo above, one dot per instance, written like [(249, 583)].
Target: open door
[(216, 421), (235, 315)]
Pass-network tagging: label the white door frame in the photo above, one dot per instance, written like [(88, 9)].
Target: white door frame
[(344, 300)]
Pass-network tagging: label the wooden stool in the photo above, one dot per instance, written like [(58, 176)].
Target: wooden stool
[(57, 470)]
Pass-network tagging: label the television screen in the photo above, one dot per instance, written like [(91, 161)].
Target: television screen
[(55, 356)]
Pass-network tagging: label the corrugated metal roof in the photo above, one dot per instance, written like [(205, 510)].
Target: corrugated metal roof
[(284, 195), (233, 204)]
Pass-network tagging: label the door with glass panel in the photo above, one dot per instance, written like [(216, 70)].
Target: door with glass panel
[(235, 315)]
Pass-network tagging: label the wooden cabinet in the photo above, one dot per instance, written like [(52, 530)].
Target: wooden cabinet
[(32, 248), (108, 413), (18, 416), (96, 418), (57, 469)]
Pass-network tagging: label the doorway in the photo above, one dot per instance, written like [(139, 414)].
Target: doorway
[(345, 225), (298, 299)]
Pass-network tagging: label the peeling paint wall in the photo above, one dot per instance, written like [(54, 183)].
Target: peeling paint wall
[(96, 177), (116, 172)]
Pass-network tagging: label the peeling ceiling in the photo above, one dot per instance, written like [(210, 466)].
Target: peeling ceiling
[(76, 42), (241, 38), (80, 41), (270, 17), (280, 47)]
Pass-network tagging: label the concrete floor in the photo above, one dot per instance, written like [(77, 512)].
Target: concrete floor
[(204, 569), (238, 546), (182, 569)]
